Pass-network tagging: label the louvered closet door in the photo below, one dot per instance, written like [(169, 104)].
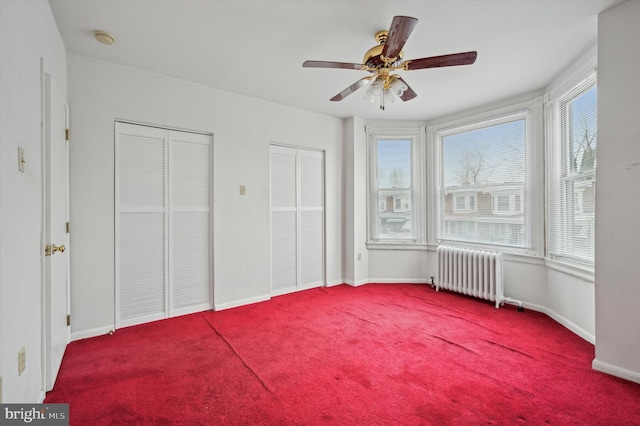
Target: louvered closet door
[(190, 251), (163, 223), (297, 219), (284, 221), (311, 212), (141, 222)]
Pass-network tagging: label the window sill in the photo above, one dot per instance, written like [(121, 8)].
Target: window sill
[(583, 272), (396, 245)]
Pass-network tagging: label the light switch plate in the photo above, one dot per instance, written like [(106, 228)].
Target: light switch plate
[(243, 190)]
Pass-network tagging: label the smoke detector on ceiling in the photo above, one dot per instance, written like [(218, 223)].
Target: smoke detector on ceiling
[(104, 37)]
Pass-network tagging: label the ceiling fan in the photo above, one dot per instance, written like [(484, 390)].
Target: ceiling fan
[(385, 58)]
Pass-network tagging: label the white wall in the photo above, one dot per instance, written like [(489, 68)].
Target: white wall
[(348, 216), (243, 127), (617, 296), (27, 33), (356, 255), (570, 299), (401, 266)]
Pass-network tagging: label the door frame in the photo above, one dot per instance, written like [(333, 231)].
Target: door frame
[(45, 231)]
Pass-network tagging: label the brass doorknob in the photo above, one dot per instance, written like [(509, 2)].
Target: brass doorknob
[(55, 248)]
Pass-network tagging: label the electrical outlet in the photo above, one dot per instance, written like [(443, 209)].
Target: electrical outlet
[(22, 360)]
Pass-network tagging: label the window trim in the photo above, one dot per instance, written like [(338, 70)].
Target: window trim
[(586, 76), (532, 112), (417, 135)]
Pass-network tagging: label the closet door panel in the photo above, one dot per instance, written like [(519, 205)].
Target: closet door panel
[(311, 249), (284, 269), (142, 267), (283, 178), (284, 245), (190, 262), (140, 224), (311, 218), (141, 166), (190, 170), (190, 249), (311, 180)]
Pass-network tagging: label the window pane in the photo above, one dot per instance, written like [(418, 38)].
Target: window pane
[(395, 191), (485, 168), (503, 203), (572, 180)]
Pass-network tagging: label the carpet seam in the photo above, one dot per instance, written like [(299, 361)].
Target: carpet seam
[(262, 382)]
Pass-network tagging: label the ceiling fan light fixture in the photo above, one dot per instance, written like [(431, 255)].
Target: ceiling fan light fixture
[(385, 89), (398, 87)]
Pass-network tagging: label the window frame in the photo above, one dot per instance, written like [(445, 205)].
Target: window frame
[(417, 136), (532, 112), (555, 171)]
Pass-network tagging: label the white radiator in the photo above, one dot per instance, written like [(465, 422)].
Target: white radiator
[(475, 273)]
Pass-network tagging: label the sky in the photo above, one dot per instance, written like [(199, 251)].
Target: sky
[(394, 154)]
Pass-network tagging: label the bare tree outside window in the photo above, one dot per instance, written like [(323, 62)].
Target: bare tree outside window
[(396, 179), (484, 172)]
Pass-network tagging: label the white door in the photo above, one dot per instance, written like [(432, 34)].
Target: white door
[(297, 219), (163, 208), (141, 224), (56, 252)]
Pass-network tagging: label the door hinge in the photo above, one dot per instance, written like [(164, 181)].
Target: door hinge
[(67, 227), (66, 134), (68, 320)]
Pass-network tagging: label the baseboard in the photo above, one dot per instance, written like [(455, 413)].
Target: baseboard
[(562, 321), (85, 334), (335, 283), (623, 373), (242, 302), (398, 281), (356, 283), (41, 397)]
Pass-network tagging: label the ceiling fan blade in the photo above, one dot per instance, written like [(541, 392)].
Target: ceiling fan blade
[(465, 58), (399, 31), (328, 64), (349, 90), (409, 93)]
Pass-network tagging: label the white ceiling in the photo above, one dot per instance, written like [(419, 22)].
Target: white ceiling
[(256, 48)]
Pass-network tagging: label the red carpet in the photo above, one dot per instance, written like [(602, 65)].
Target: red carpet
[(376, 354)]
